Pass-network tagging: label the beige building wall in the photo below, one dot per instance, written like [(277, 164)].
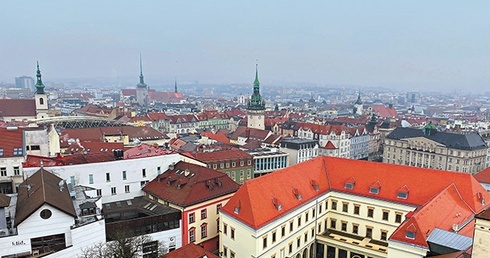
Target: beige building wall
[(481, 239), (422, 152)]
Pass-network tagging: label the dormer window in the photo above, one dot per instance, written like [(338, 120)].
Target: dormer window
[(349, 184), (315, 185), (237, 207), (374, 189), (277, 203), (297, 193), (410, 234), (403, 192)]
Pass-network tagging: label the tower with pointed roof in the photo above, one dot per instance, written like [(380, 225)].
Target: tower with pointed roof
[(40, 96), (175, 86), (256, 106), (358, 109), (142, 89)]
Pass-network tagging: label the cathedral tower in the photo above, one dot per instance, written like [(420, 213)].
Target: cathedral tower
[(142, 89)]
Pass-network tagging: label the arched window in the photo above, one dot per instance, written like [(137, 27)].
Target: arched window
[(41, 101)]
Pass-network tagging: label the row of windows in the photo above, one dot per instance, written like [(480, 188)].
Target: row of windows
[(354, 229), (204, 214), (123, 175), (3, 171), (204, 232), (385, 215), (233, 164)]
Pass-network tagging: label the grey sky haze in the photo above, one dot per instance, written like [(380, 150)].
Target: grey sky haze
[(414, 44)]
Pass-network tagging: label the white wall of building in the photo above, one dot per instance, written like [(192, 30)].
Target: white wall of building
[(135, 177)]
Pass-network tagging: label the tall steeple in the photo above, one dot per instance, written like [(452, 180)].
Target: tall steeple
[(256, 102), (359, 101), (175, 86), (142, 83), (39, 83)]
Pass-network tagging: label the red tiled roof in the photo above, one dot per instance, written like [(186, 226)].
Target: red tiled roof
[(483, 176), (330, 146), (197, 184), (144, 150), (216, 136), (158, 116), (165, 96), (273, 138), (384, 111), (92, 147), (178, 119), (332, 173), (10, 139), (128, 92), (43, 188), (190, 251), (17, 107), (97, 133), (94, 110), (75, 159), (233, 154)]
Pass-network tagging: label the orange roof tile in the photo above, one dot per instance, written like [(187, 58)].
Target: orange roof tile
[(190, 251), (483, 176), (332, 173)]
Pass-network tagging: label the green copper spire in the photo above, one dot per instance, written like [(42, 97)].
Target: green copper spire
[(256, 102), (39, 84), (142, 83), (359, 101)]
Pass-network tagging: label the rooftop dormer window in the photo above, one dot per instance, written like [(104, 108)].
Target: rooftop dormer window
[(237, 207), (277, 203), (350, 183), (403, 192), (374, 188), (297, 193), (410, 232), (315, 185)]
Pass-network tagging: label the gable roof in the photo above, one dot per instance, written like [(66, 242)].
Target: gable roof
[(11, 138), (187, 184), (483, 176), (190, 250), (98, 133), (472, 141), (213, 156), (331, 174), (384, 111), (17, 107), (42, 188)]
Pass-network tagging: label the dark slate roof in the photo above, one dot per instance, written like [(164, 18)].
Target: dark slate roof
[(471, 141), (40, 188), (4, 200), (298, 143)]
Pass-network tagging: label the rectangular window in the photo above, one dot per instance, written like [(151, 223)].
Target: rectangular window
[(17, 151), (306, 218), (126, 188), (334, 205), (143, 172), (299, 221), (72, 180), (225, 251), (233, 164), (273, 237), (343, 226), (1, 152), (298, 242), (384, 235), (107, 177), (369, 232), (225, 228), (3, 171), (356, 209), (192, 235), (113, 191), (355, 229), (232, 254), (398, 217), (264, 242), (290, 226), (215, 166), (16, 171), (232, 233), (90, 178), (386, 215), (218, 207), (204, 214), (221, 165), (192, 217), (204, 230), (159, 170), (124, 175), (370, 212), (306, 237), (99, 192), (345, 207), (290, 247), (333, 223), (283, 231)]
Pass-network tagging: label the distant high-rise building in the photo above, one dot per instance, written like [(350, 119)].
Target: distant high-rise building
[(24, 82), (256, 106), (413, 97), (142, 89)]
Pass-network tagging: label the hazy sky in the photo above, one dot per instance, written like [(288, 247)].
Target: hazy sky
[(417, 44)]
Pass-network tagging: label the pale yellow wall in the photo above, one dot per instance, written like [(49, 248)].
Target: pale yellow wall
[(481, 240)]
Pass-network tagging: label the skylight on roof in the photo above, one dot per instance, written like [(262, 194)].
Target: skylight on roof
[(402, 195)]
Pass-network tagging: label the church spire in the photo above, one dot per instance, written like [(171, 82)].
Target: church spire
[(39, 84), (359, 101), (256, 81), (256, 102), (142, 83), (175, 86)]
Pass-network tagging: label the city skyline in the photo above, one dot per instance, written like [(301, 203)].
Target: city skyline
[(441, 45)]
